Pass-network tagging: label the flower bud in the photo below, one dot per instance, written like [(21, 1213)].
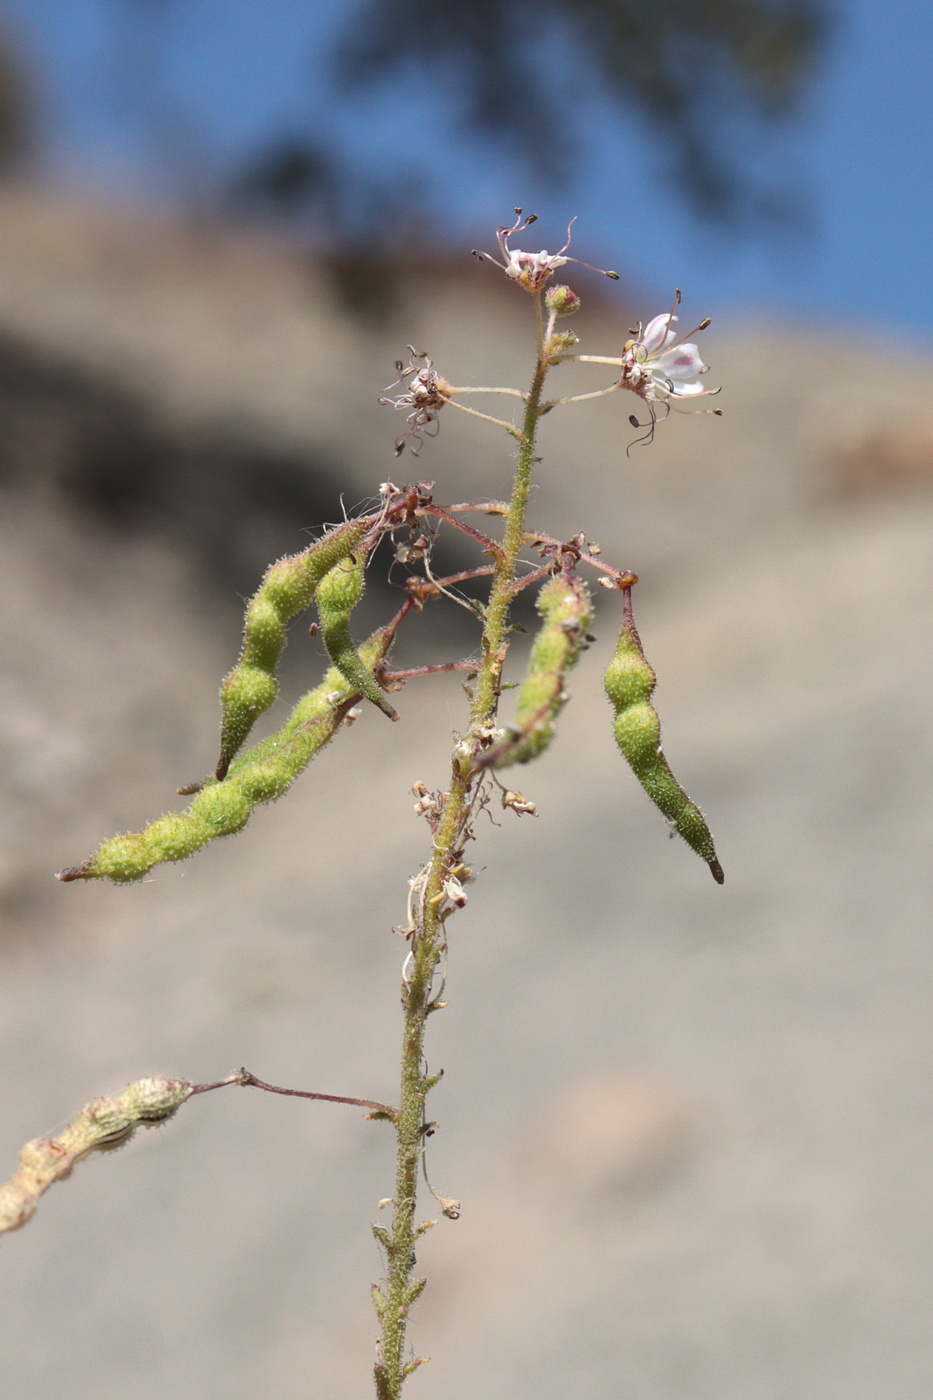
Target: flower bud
[(562, 300)]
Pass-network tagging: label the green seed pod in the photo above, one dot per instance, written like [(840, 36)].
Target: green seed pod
[(287, 588), (255, 777), (565, 606), (630, 683), (337, 595)]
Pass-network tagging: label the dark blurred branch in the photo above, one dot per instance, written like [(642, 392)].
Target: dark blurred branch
[(14, 111), (703, 79), (686, 65)]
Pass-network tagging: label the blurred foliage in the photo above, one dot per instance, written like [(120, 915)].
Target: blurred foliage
[(14, 111), (700, 79), (690, 67), (702, 76)]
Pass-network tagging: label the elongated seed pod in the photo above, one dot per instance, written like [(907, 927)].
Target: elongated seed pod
[(630, 683), (101, 1124), (565, 606), (287, 588), (337, 595), (261, 774)]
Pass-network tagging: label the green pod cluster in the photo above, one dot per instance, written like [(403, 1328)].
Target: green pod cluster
[(287, 588), (630, 683), (337, 595), (566, 609), (261, 774)]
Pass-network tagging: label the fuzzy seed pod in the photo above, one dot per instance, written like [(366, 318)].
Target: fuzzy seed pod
[(564, 604), (287, 588), (337, 595), (101, 1124), (630, 683), (259, 775), (562, 299)]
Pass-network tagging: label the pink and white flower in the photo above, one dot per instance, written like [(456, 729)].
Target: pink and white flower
[(663, 368), (531, 270)]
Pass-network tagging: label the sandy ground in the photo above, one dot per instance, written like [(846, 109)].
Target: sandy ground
[(691, 1128)]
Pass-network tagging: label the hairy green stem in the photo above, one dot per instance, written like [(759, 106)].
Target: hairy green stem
[(428, 938)]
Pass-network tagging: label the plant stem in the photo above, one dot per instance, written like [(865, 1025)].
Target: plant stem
[(428, 937)]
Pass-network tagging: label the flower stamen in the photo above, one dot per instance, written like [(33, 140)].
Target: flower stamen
[(532, 270)]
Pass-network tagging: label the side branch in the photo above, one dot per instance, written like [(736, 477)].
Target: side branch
[(107, 1123), (490, 546), (485, 507), (620, 578), (394, 677), (248, 1080)]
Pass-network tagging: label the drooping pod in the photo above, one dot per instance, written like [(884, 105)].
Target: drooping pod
[(630, 683), (101, 1124), (287, 588), (566, 610), (337, 595), (259, 775)]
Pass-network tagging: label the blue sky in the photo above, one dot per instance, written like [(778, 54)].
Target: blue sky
[(238, 73)]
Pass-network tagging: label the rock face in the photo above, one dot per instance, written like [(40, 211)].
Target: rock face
[(751, 1218)]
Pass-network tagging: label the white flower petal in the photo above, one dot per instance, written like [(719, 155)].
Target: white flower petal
[(681, 363), (658, 333), (682, 391)]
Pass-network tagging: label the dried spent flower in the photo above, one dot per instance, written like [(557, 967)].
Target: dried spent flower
[(662, 368), (519, 804), (532, 270), (425, 394), (454, 891), (559, 343)]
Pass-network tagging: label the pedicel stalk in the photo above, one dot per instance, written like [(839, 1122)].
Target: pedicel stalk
[(664, 370)]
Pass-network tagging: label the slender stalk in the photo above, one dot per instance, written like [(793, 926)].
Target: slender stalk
[(486, 417), (428, 936), (484, 389)]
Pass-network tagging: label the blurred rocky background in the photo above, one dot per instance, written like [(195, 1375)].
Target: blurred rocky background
[(691, 1128)]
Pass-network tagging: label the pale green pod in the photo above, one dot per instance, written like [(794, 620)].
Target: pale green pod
[(101, 1124), (565, 606), (630, 683), (287, 588), (337, 595), (260, 775)]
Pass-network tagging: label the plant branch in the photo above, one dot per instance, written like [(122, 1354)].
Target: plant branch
[(392, 676), (247, 1079), (490, 546), (487, 418), (622, 578), (487, 507), (428, 938), (484, 389)]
